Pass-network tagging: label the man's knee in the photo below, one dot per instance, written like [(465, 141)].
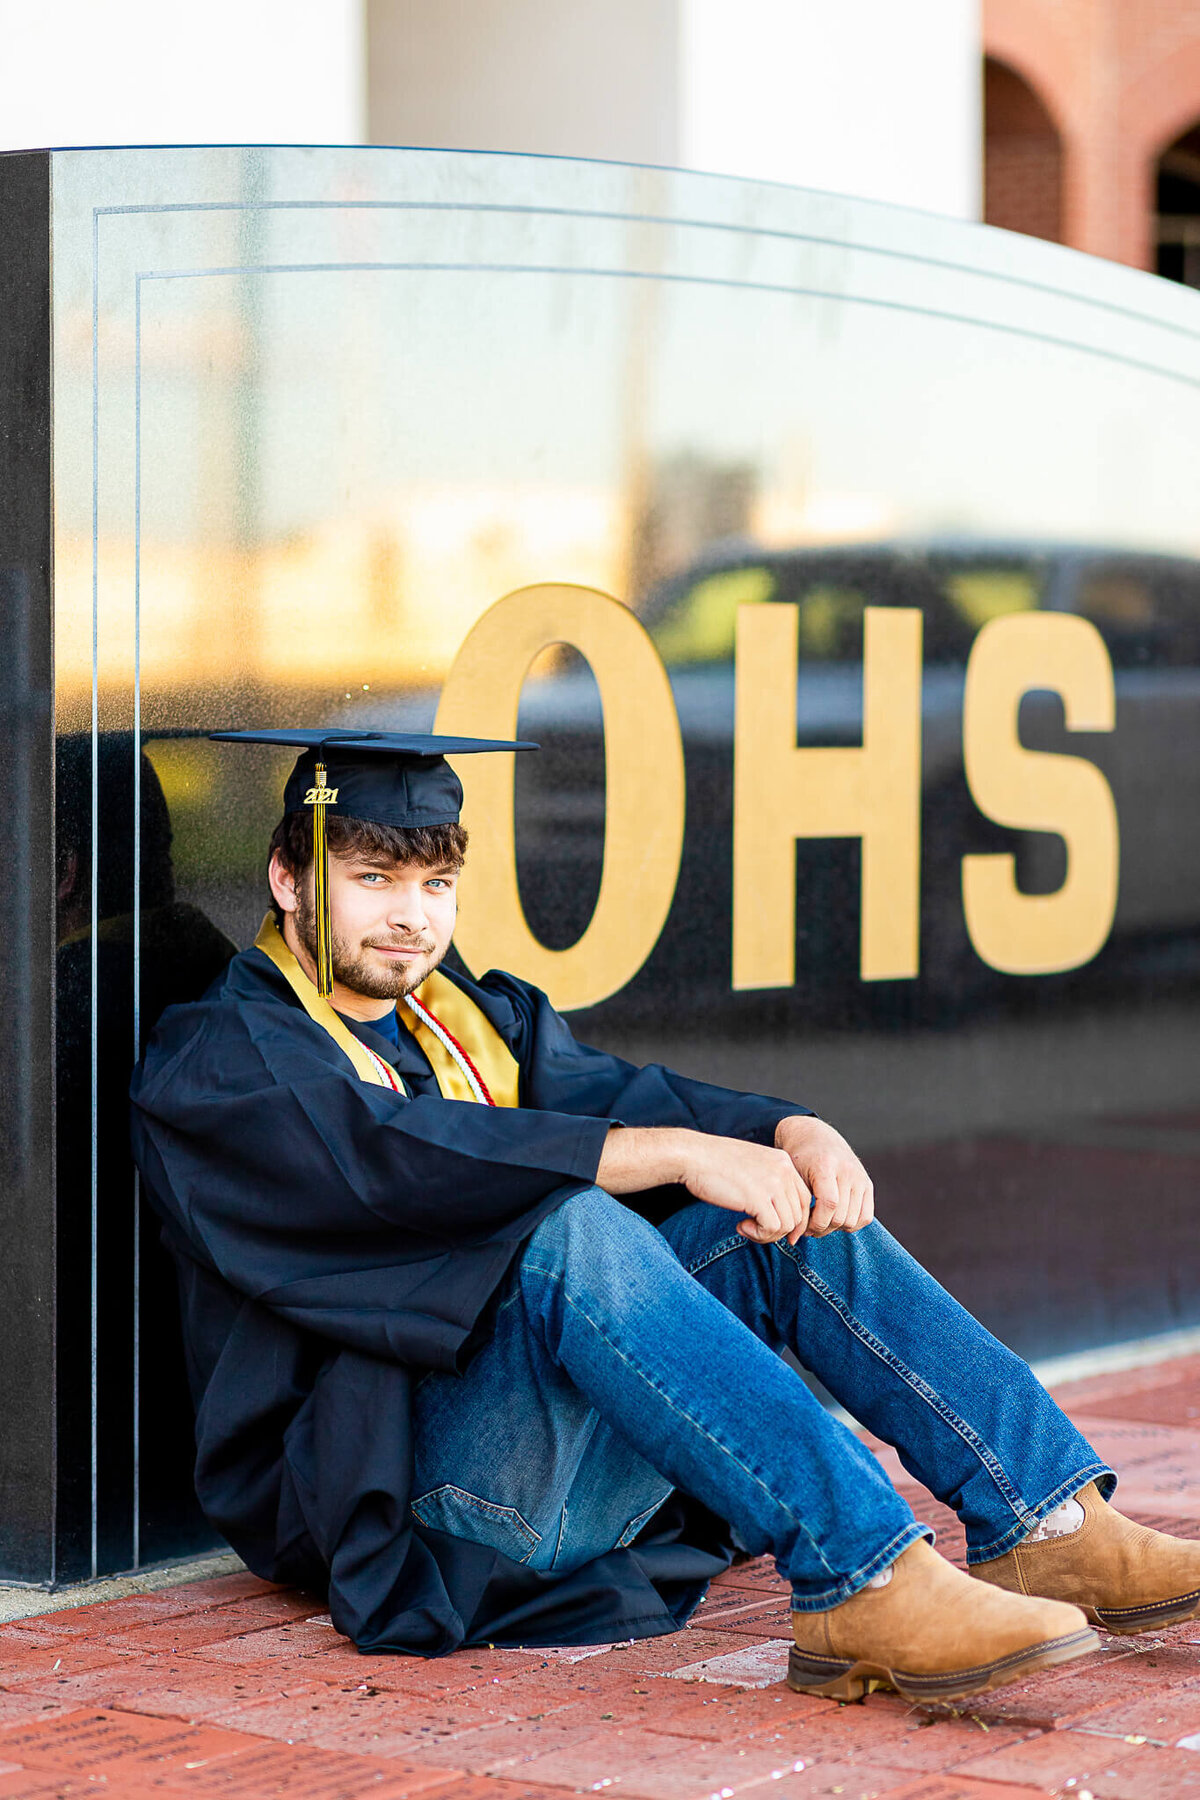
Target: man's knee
[(842, 1256), (586, 1224)]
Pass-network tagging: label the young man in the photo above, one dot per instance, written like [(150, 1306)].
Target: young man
[(483, 1324)]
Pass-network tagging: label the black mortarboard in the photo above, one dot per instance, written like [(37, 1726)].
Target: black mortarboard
[(384, 777)]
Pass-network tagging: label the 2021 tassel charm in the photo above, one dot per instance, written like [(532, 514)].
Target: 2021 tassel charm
[(319, 797)]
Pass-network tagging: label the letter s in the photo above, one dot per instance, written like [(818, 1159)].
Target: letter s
[(1037, 934)]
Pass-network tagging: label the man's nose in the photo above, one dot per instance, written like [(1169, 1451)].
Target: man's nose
[(407, 912)]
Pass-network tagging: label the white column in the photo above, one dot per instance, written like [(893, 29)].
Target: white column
[(867, 97), (76, 72), (557, 77), (871, 97)]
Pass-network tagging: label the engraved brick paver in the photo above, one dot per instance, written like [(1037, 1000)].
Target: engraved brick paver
[(92, 1742), (112, 1616), (1135, 1393), (43, 1784), (734, 1664), (242, 1688), (1159, 1465), (244, 1642), (78, 1737), (301, 1773), (616, 1759), (745, 1769), (852, 1781), (21, 1707), (219, 1624), (1162, 1715), (134, 1611), (952, 1787), (1052, 1760), (384, 1724), (27, 1655), (929, 1742), (218, 1590), (774, 1620), (262, 1672), (721, 1713), (333, 1659), (1151, 1775), (106, 1686), (202, 1692), (1062, 1697), (166, 1687)]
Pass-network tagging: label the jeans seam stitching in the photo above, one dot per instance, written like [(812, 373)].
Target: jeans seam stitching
[(485, 1506), (562, 1532), (715, 1252), (635, 1524), (533, 1268), (919, 1387)]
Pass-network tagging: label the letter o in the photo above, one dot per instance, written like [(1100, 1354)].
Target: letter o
[(644, 777)]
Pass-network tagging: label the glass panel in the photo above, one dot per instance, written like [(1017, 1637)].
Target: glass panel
[(317, 411), (1148, 612), (701, 625), (980, 594)]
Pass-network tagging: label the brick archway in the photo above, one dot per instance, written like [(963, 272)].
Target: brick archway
[(1177, 221), (1164, 102), (1161, 111), (1023, 156), (1028, 38), (1121, 81)]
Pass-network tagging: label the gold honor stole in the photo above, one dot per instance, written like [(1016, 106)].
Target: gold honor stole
[(454, 1011)]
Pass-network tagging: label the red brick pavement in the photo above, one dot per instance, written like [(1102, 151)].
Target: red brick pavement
[(231, 1689)]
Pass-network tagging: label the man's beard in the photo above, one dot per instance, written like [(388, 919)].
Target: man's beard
[(351, 967)]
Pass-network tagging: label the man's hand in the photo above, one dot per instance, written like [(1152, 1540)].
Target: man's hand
[(843, 1198), (769, 1187), (752, 1179)]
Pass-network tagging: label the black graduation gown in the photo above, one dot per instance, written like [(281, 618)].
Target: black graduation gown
[(333, 1241)]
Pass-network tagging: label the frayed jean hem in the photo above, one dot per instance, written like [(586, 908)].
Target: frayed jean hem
[(851, 1584)]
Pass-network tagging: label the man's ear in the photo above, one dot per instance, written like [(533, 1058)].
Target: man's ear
[(283, 884)]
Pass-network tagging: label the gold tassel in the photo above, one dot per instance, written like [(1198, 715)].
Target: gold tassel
[(321, 882)]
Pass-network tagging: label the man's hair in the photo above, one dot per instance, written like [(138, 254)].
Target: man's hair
[(433, 846)]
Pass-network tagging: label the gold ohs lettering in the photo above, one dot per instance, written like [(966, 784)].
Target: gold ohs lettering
[(321, 796), (1038, 934), (784, 791), (643, 771)]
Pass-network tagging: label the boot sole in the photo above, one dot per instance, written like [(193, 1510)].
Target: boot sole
[(1123, 1621), (833, 1679)]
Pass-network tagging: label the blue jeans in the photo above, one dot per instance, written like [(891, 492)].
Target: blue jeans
[(628, 1361)]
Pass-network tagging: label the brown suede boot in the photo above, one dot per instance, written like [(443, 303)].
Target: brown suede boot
[(926, 1635), (1124, 1576)]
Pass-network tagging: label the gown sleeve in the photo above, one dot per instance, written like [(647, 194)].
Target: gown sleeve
[(562, 1075), (381, 1221)]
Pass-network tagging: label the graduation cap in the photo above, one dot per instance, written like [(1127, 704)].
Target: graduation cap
[(383, 777)]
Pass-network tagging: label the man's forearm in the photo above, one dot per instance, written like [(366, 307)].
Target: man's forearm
[(753, 1180), (809, 1181), (641, 1156)]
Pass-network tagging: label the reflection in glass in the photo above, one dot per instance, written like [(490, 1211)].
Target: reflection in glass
[(145, 950), (344, 401)]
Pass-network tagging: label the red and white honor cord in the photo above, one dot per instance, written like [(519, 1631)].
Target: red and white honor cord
[(385, 1069), (475, 1080)]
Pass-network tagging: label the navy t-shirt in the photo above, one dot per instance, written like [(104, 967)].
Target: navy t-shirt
[(388, 1027)]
